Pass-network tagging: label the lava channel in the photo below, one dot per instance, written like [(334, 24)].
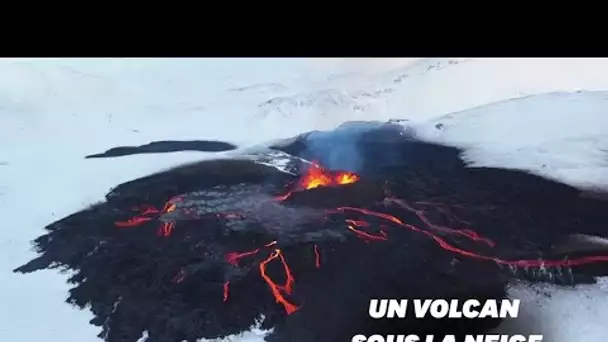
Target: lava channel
[(316, 177)]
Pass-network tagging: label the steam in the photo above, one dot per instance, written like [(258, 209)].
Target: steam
[(341, 149)]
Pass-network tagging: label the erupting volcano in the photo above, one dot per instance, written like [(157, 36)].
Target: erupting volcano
[(316, 176), (201, 251), (362, 227)]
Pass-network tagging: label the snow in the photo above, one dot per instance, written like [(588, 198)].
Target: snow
[(529, 134), (55, 111)]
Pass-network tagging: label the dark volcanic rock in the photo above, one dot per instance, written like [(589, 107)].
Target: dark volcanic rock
[(360, 193), (158, 254), (167, 146)]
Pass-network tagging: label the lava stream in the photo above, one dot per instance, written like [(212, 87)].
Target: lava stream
[(447, 246), (276, 289), (422, 216), (315, 177), (146, 210)]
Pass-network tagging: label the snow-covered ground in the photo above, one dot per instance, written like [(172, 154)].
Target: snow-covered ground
[(53, 112)]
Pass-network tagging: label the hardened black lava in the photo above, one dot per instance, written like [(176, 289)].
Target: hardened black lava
[(206, 249), (166, 146)]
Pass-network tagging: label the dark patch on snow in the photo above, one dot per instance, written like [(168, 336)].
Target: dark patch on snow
[(167, 146)]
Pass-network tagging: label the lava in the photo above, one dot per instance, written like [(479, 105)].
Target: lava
[(234, 257), (133, 222), (166, 229), (447, 246), (148, 213), (367, 237), (316, 177), (358, 223), (422, 216), (369, 213), (226, 289), (346, 178), (274, 287)]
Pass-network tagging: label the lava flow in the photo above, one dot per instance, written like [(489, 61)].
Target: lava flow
[(148, 213), (278, 291), (318, 177), (315, 177)]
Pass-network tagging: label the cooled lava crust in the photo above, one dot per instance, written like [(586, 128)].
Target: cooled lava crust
[(206, 249)]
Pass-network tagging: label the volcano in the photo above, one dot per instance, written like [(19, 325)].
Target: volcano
[(360, 212)]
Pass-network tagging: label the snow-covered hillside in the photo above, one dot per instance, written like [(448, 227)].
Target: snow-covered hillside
[(53, 112), (562, 136)]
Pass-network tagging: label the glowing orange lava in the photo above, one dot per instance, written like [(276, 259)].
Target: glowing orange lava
[(346, 178), (166, 229), (316, 177), (148, 213), (278, 289), (367, 237), (133, 222)]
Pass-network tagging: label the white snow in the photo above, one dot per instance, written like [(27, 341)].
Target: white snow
[(55, 111), (530, 134)]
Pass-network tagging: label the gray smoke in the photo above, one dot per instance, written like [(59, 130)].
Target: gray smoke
[(340, 149)]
